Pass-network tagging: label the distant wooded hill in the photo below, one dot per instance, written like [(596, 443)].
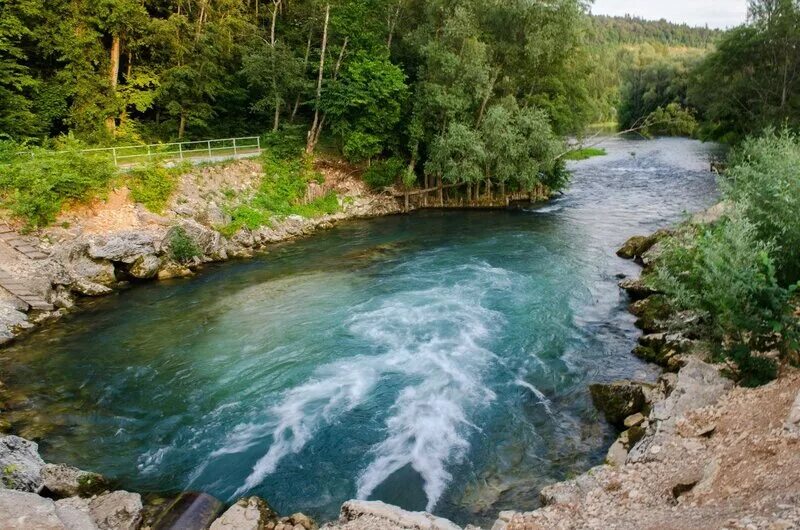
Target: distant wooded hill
[(634, 30)]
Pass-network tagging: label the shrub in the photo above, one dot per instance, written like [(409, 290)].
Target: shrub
[(35, 185), (764, 181), (384, 173), (153, 184), (585, 153), (725, 274), (182, 248)]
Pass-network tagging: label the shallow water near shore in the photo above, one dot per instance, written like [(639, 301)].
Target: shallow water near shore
[(438, 360)]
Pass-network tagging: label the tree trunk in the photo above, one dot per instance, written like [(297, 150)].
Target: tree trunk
[(277, 119), (312, 134), (305, 67), (113, 77), (392, 24), (469, 192), (439, 191), (182, 125), (487, 96)]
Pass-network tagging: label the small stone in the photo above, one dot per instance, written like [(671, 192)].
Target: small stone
[(66, 481), (633, 420)]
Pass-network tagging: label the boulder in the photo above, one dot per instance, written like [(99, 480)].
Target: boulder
[(251, 513), (650, 312), (210, 242), (633, 420), (618, 400), (617, 453), (190, 509), (392, 516), (173, 270), (145, 267), (637, 246), (28, 511), (123, 247), (62, 480), (89, 288), (82, 267), (636, 288), (20, 464), (119, 510), (75, 515)]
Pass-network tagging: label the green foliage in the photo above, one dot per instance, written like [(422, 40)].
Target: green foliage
[(182, 248), (365, 104), (764, 181), (384, 173), (726, 275), (281, 193), (672, 120), (153, 184), (752, 80), (34, 185), (585, 153)]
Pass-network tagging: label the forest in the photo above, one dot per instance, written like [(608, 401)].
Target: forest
[(423, 91)]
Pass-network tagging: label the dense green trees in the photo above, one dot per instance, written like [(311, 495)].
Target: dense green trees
[(750, 81), (406, 78)]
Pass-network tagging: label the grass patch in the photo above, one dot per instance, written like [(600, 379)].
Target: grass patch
[(585, 153), (281, 193), (153, 184), (34, 186)]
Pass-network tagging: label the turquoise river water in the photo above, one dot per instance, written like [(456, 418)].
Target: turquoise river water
[(438, 360)]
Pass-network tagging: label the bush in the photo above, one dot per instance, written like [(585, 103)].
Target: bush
[(764, 181), (35, 185), (726, 275), (384, 173), (584, 153), (182, 248), (153, 184)]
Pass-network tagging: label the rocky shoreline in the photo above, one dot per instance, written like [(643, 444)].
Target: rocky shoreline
[(107, 246)]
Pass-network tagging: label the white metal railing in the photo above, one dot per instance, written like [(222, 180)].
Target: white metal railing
[(200, 150)]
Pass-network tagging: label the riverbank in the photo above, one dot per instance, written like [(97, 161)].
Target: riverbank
[(695, 451), (112, 243)]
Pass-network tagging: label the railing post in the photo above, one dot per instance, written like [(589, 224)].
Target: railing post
[(180, 150), (234, 148), (149, 154), (258, 144), (114, 153), (209, 149)]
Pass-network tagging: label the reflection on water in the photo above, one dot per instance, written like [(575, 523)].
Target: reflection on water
[(438, 360)]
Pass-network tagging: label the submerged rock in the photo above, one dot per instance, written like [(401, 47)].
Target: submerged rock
[(191, 510), (20, 464), (618, 400), (62, 480)]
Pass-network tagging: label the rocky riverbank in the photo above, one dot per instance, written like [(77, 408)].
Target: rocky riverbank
[(95, 249), (695, 451)]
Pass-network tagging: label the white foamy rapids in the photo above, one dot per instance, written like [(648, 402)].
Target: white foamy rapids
[(431, 341)]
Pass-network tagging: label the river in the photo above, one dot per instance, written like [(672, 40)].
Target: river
[(438, 360)]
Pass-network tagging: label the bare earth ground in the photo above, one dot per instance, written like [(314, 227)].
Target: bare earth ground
[(731, 465)]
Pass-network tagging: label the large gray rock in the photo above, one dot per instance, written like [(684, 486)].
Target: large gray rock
[(82, 267), (74, 514), (618, 400), (124, 247), (393, 517), (20, 464), (28, 511), (145, 267), (568, 491), (251, 513), (210, 242), (62, 480), (118, 510)]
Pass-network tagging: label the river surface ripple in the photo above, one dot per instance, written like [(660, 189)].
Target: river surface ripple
[(437, 361)]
